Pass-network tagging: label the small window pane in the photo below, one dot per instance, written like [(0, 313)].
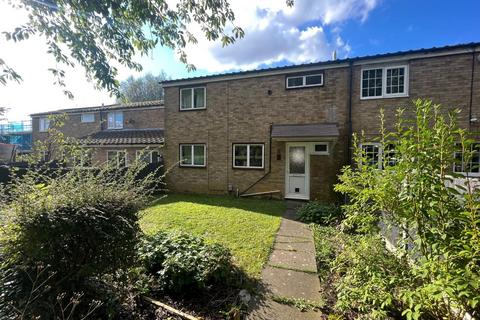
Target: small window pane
[(186, 99), (321, 148), (199, 155), (199, 97), (256, 156), (186, 155), (294, 82), (122, 159), (297, 160), (111, 121), (88, 117), (371, 154), (155, 157), (314, 80), (372, 83), (240, 156), (118, 119)]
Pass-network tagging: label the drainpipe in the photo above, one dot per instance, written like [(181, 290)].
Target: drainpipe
[(349, 106), (471, 91), (269, 165)]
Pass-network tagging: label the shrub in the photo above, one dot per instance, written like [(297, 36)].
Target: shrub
[(371, 279), (320, 213), (58, 236), (181, 262)]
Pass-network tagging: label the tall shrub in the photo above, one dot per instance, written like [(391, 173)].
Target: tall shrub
[(436, 214)]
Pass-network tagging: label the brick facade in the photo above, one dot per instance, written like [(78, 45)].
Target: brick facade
[(242, 109), (141, 117)]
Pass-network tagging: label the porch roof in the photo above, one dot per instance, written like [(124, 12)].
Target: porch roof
[(304, 130)]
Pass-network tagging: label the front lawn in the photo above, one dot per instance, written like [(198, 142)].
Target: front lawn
[(246, 226)]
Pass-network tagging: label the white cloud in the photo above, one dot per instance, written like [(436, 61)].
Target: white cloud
[(275, 33)]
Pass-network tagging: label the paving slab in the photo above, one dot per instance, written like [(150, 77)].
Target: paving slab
[(300, 260), (289, 273), (292, 284)]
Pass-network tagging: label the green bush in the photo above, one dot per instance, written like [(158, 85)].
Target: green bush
[(181, 262), (370, 279), (58, 236), (320, 213)]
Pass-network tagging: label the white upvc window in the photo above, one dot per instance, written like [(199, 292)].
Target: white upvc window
[(302, 81), (117, 158), (115, 120), (148, 156), (84, 159), (193, 155), (384, 82), (43, 124), (87, 117), (470, 165), (374, 154), (248, 156), (320, 148), (193, 98)]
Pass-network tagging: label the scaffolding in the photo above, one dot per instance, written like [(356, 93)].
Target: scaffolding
[(18, 133)]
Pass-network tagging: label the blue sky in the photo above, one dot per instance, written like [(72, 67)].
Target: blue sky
[(275, 35)]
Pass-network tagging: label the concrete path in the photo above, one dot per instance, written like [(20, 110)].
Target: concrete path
[(290, 272)]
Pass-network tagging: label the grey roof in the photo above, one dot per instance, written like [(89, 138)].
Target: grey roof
[(304, 130), (115, 106), (125, 137), (470, 45)]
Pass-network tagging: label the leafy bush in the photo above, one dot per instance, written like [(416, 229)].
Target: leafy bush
[(181, 262), (320, 213), (58, 235), (371, 279), (436, 214)]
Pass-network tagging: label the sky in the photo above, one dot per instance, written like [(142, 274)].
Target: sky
[(275, 35)]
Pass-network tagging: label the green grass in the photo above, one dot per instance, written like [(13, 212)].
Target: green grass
[(246, 226)]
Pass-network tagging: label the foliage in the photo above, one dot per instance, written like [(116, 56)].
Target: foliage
[(8, 74), (371, 278), (320, 213), (329, 243), (436, 213), (61, 231), (145, 88), (180, 262), (98, 34), (247, 227)]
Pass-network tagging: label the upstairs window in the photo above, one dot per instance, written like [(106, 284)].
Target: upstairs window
[(44, 124), (310, 80), (248, 156), (467, 164), (385, 82), (87, 117), (115, 120), (374, 154), (193, 98), (193, 155), (117, 159)]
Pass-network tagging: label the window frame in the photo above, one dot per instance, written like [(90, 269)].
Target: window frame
[(192, 164), (139, 153), (384, 94), (304, 81), (379, 165), (248, 145), (114, 122), (87, 114), (321, 153), (45, 126), (192, 89), (463, 172), (118, 163)]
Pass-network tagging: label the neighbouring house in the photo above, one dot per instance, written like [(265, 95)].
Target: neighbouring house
[(116, 134), (288, 129), (16, 138)]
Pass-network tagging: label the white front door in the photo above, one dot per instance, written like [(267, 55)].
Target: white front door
[(297, 177)]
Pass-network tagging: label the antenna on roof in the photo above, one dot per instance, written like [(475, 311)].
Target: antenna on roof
[(334, 55)]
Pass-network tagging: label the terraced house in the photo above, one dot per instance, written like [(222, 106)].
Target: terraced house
[(288, 130), (116, 134)]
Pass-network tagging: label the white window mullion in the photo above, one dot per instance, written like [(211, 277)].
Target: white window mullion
[(248, 156), (193, 155)]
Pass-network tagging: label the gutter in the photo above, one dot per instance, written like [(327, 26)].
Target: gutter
[(269, 165)]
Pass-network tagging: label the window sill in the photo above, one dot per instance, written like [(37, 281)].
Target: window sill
[(191, 166), (249, 168), (385, 97), (192, 109)]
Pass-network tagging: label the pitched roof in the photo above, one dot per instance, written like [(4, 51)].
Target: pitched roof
[(125, 137), (207, 78), (116, 106), (304, 130)]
